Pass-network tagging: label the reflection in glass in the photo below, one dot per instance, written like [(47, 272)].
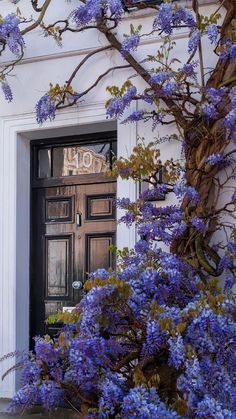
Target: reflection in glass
[(44, 163), (77, 160), (57, 267)]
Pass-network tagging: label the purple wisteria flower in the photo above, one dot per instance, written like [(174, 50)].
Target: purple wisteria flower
[(169, 17), (26, 395), (45, 350), (229, 50), (112, 394), (232, 246), (160, 77), (177, 351), (130, 43), (169, 88), (117, 106), (233, 96), (141, 246), (164, 18), (215, 95), (45, 109), (198, 223), (218, 158), (184, 15), (116, 8), (10, 33), (209, 111), (189, 69), (50, 394), (230, 121), (180, 189), (7, 91), (215, 158), (212, 33), (230, 282), (194, 41), (100, 273), (93, 10), (134, 117), (209, 407), (158, 192), (144, 403)]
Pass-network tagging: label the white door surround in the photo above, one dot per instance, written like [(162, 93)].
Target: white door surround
[(16, 133)]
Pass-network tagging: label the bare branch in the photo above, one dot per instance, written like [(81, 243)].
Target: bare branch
[(34, 25)]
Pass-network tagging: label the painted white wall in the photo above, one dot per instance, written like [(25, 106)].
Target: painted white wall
[(44, 62)]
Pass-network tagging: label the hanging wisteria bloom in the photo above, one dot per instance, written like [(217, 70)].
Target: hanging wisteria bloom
[(181, 189), (134, 117), (198, 223), (93, 10), (228, 50), (230, 121), (45, 109), (194, 41), (212, 33), (209, 111), (7, 91), (189, 69), (170, 17), (164, 18), (215, 96), (117, 105), (130, 43), (116, 8), (220, 159), (233, 97), (145, 403), (10, 33), (160, 77)]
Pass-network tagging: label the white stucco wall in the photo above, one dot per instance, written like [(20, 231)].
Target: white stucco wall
[(45, 62)]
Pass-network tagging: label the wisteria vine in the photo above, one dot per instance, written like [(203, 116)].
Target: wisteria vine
[(156, 338)]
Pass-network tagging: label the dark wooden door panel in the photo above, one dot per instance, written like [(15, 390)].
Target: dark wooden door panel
[(59, 264), (73, 227), (98, 253), (59, 209)]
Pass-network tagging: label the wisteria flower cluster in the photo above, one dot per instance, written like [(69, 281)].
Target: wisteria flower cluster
[(153, 338), (10, 33), (130, 43), (170, 17), (45, 109), (92, 10), (117, 106), (6, 91)]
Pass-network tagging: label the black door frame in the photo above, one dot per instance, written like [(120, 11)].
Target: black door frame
[(35, 182)]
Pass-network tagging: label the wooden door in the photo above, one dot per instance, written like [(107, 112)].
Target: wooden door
[(73, 228)]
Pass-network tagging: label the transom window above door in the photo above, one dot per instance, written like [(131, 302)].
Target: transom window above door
[(84, 156)]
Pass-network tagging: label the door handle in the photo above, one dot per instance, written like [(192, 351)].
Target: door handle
[(78, 219), (77, 285)]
